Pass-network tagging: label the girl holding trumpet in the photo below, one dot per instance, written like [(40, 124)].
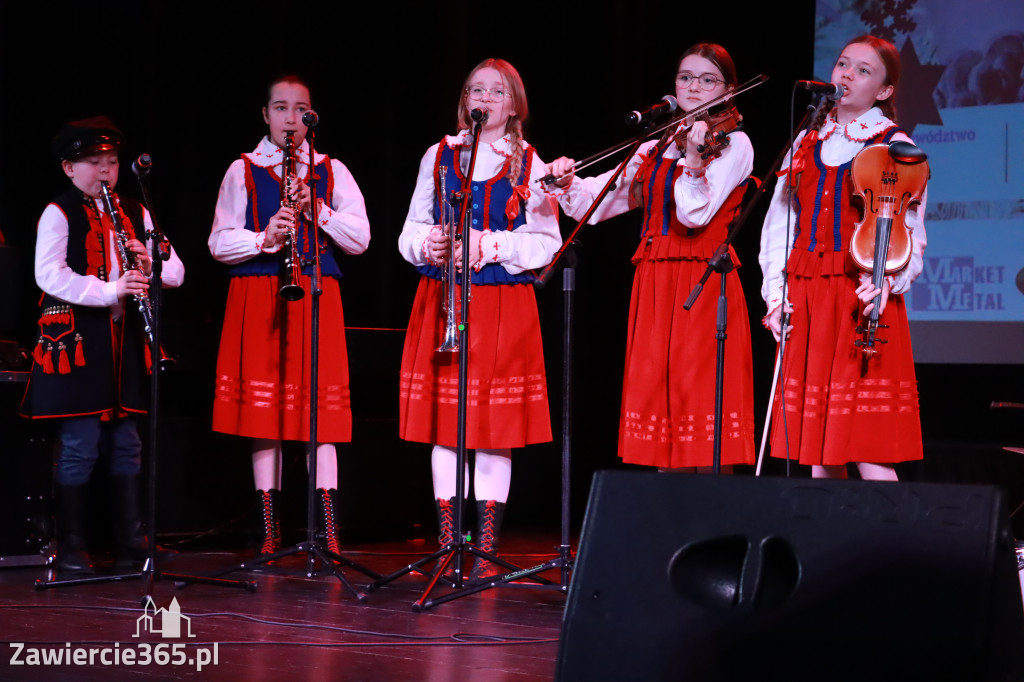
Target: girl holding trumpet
[(513, 230), (668, 395), (262, 388)]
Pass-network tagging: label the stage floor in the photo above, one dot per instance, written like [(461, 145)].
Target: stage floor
[(290, 628)]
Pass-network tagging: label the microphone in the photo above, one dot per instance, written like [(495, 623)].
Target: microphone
[(310, 119), (832, 91), (667, 105), (479, 115), (142, 165)]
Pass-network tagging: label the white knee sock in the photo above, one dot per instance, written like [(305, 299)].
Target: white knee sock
[(492, 475), (266, 463), (877, 472), (442, 466), (326, 465), (828, 471)]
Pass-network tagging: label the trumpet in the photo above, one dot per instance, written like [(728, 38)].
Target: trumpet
[(291, 290), (128, 263), (450, 344)]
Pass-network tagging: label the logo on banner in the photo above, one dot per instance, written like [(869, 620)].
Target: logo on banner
[(956, 284)]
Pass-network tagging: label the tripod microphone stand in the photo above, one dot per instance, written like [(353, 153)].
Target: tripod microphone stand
[(149, 572), (330, 562), (565, 258)]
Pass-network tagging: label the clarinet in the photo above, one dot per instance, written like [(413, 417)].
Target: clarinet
[(291, 289), (128, 260)]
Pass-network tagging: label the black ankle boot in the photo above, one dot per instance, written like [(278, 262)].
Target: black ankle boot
[(445, 521), (446, 531), (327, 519), (72, 511), (270, 523), (489, 515)]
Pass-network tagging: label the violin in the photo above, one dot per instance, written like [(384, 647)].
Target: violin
[(889, 179), (723, 99), (721, 120)]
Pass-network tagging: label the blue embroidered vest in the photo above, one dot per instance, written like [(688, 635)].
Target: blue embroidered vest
[(488, 210), (263, 190)]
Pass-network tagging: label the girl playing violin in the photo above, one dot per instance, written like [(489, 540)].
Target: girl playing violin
[(825, 413), (668, 394), (513, 230)]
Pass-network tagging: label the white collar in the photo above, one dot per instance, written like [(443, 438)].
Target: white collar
[(864, 127), (268, 155), (501, 146)]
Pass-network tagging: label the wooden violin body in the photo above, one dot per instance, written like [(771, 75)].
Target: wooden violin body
[(721, 120), (889, 179)]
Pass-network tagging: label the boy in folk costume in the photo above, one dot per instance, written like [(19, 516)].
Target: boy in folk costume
[(91, 361)]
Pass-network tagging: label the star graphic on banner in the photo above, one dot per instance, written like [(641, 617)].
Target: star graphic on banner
[(914, 101)]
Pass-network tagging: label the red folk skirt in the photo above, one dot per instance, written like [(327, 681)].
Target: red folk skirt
[(507, 399), (263, 382), (832, 414), (668, 392)]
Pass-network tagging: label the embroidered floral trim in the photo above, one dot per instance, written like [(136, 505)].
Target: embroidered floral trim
[(95, 242), (506, 143), (694, 173), (485, 257), (265, 157), (860, 129), (501, 146)]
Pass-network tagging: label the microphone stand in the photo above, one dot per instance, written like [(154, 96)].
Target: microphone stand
[(329, 561), (149, 572), (721, 262), (453, 553), (565, 258), (813, 108)]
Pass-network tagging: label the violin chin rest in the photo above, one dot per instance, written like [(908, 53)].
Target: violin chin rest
[(905, 152)]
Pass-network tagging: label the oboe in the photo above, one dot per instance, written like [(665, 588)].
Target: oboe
[(292, 289), (128, 258)]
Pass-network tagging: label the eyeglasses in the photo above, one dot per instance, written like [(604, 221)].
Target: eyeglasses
[(476, 93), (706, 80)]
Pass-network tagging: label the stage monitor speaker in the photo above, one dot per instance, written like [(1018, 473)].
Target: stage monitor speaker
[(706, 578)]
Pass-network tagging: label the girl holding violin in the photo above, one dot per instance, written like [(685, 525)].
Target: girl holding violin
[(690, 184), (833, 406)]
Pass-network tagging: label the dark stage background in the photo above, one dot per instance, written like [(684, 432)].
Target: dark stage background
[(185, 82)]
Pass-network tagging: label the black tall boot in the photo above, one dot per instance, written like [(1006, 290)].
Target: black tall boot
[(72, 512), (131, 545), (327, 519), (270, 523), (489, 515)]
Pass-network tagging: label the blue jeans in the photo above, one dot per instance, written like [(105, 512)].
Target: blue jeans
[(82, 439)]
